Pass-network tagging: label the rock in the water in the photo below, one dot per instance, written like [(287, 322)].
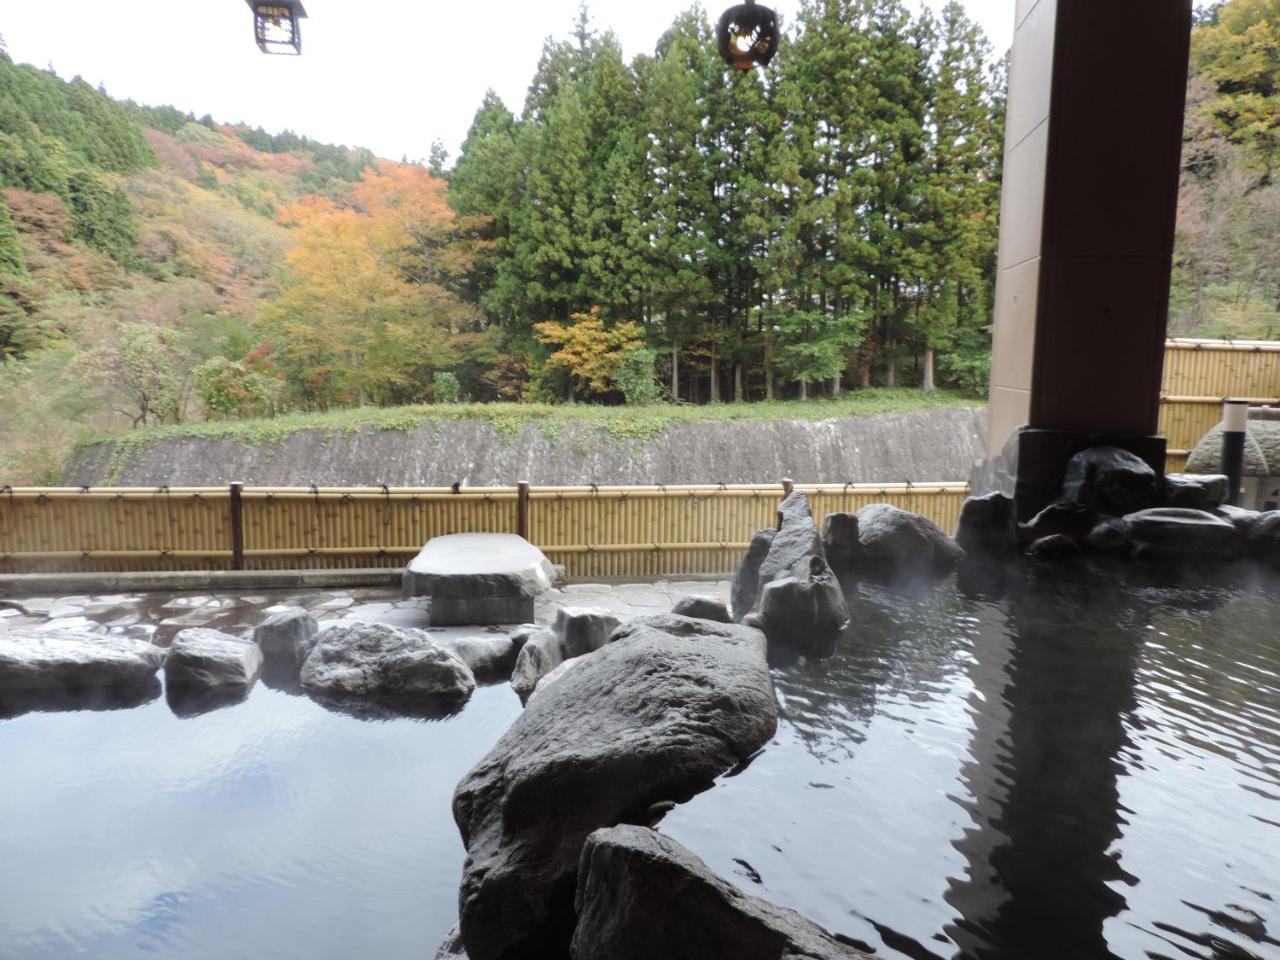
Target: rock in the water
[(1053, 549), (805, 611), (657, 714), (287, 635), (1111, 481), (452, 948), (1196, 491), (1175, 530), (541, 654), (988, 525), (642, 896), (388, 666), (489, 657), (746, 582), (702, 608), (1109, 533), (894, 544), (1263, 539), (583, 629), (840, 542), (1070, 519), (477, 578), (72, 670), (204, 658), (796, 539)]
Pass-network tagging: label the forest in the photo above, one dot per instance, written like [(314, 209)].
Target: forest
[(667, 229)]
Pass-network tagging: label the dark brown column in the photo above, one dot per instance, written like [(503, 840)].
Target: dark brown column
[(1092, 152)]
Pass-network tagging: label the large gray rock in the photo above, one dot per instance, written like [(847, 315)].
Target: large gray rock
[(746, 582), (702, 608), (1176, 530), (988, 525), (200, 657), (452, 948), (1196, 491), (583, 629), (805, 611), (479, 578), (76, 670), (385, 666), (642, 896), (1111, 481), (797, 539), (287, 635), (541, 653), (1263, 537), (655, 715), (1261, 450), (894, 544)]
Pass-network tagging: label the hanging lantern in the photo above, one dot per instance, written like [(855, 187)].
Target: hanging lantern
[(275, 25), (748, 35)]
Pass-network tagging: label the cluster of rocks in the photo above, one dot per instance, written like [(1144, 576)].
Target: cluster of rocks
[(791, 582), (1113, 502), (561, 860)]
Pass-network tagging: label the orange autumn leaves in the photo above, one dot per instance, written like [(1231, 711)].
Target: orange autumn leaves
[(366, 313)]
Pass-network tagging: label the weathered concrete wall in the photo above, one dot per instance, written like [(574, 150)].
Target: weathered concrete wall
[(927, 445)]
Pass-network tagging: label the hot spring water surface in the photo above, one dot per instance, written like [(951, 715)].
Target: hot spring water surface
[(1083, 771)]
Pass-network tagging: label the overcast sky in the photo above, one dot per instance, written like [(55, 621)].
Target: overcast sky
[(391, 75)]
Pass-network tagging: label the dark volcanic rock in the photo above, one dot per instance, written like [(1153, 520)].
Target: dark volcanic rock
[(797, 539), (746, 582), (583, 629), (452, 948), (1196, 491), (76, 671), (1109, 533), (541, 653), (385, 665), (488, 657), (894, 544), (988, 525), (1053, 549), (805, 611), (657, 714), (1110, 481), (204, 659), (1070, 519), (287, 635), (1181, 531), (702, 608), (1263, 539), (840, 542), (643, 896)]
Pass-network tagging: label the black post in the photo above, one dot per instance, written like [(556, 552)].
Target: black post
[(522, 509), (1235, 427), (237, 527)]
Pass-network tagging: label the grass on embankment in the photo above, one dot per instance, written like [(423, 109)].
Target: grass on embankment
[(508, 419)]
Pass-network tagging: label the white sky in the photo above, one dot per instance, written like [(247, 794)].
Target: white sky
[(391, 75)]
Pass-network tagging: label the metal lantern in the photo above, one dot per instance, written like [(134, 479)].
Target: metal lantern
[(275, 25), (748, 35)]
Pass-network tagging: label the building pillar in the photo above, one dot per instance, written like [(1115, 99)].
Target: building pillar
[(1092, 157)]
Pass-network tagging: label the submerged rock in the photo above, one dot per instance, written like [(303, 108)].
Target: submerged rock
[(386, 665), (1110, 481), (657, 714), (71, 670), (988, 525), (1109, 533), (1175, 530), (209, 666), (746, 582), (1053, 549), (702, 608), (641, 895), (805, 611), (287, 635), (895, 544), (1064, 517), (1197, 491)]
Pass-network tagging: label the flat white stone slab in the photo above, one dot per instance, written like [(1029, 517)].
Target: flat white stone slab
[(478, 578)]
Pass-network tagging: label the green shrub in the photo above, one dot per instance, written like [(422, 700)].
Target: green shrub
[(444, 387), (636, 377)]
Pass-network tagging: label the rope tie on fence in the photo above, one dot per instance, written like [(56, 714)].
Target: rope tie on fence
[(84, 488), (457, 487)]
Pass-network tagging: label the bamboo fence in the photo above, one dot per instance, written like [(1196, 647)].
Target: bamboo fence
[(595, 532)]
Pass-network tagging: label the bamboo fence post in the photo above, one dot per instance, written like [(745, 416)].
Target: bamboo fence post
[(237, 526), (787, 486), (522, 508)]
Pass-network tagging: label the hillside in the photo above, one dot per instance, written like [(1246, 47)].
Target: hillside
[(134, 242)]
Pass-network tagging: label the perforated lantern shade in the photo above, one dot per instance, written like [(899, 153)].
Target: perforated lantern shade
[(748, 35), (275, 25)]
